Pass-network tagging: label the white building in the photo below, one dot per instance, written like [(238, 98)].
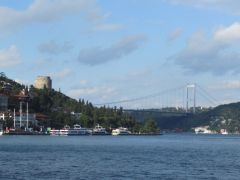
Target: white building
[(76, 115), (25, 121), (2, 116)]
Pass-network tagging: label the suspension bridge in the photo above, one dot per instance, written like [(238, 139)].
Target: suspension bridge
[(189, 98)]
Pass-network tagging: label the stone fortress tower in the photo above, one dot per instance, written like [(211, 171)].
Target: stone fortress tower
[(43, 81)]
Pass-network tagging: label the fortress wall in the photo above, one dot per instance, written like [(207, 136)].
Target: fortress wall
[(43, 81)]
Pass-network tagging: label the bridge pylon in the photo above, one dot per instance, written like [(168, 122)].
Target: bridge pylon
[(191, 97)]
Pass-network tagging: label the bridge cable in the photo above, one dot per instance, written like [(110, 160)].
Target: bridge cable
[(139, 98)]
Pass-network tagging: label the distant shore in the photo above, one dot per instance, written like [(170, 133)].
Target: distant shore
[(48, 134)]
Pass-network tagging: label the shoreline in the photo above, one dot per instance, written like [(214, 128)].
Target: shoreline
[(48, 134)]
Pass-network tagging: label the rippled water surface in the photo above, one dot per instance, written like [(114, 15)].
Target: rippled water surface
[(124, 157)]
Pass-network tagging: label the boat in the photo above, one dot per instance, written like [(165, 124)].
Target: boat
[(120, 131), (223, 131), (77, 130), (203, 130), (99, 130), (54, 132), (64, 131), (67, 131)]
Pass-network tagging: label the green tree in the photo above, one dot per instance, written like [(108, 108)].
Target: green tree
[(150, 126), (84, 120)]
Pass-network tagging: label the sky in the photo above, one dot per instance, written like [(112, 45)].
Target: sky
[(105, 50)]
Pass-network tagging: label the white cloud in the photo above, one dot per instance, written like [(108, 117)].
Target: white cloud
[(227, 84), (217, 54), (108, 27), (232, 84), (228, 6), (44, 11), (92, 93), (9, 56), (83, 82), (47, 11), (98, 55), (175, 34), (62, 74), (228, 34), (55, 48)]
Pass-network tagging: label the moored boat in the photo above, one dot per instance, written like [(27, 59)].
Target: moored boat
[(99, 130), (77, 130), (64, 131), (120, 131), (54, 132)]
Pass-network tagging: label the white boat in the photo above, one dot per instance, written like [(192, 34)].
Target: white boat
[(67, 131), (203, 130), (64, 131), (120, 131), (54, 132), (77, 130), (61, 132), (223, 131), (99, 130)]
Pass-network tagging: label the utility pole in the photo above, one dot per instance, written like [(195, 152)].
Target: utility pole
[(20, 114), (14, 118), (27, 115)]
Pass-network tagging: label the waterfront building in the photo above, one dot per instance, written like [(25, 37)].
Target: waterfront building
[(3, 103), (76, 115), (2, 116), (41, 119), (25, 120)]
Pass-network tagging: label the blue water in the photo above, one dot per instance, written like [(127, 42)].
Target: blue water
[(123, 157)]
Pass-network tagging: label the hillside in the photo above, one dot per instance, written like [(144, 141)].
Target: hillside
[(222, 117), (60, 110)]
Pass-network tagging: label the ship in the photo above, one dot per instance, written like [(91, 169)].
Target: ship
[(120, 131), (77, 130), (99, 130), (55, 132)]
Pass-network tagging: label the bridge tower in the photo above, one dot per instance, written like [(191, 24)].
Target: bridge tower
[(191, 97)]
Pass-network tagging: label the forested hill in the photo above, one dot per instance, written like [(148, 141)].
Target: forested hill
[(62, 110), (222, 117)]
